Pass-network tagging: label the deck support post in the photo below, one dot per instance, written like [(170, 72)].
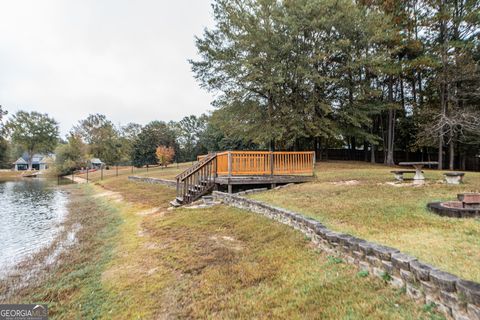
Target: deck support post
[(230, 188), (273, 186), (178, 188)]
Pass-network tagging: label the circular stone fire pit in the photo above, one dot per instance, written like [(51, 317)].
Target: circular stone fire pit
[(467, 206)]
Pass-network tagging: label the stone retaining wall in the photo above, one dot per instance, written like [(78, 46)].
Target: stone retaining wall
[(169, 183), (456, 298), (251, 191)]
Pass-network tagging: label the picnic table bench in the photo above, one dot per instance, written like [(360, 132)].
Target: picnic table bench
[(418, 178), (454, 177)]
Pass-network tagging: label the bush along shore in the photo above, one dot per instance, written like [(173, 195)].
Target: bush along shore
[(451, 295)]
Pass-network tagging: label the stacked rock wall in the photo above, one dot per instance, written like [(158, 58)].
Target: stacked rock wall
[(454, 297), (170, 183)]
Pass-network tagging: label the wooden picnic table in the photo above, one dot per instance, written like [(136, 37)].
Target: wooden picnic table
[(419, 177)]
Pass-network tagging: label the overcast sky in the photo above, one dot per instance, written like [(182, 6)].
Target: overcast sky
[(126, 59)]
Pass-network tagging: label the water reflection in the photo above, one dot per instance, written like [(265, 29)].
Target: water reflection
[(30, 213)]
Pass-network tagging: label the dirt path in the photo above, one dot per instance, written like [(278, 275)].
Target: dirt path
[(76, 179)]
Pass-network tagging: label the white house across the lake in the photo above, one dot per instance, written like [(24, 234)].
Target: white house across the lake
[(39, 162)]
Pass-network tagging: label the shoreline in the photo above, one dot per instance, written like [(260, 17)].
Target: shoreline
[(39, 270), (40, 262), (32, 250)]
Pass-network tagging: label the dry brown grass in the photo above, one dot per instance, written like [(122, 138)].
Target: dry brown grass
[(9, 175), (227, 263), (395, 216), (146, 195), (216, 263)]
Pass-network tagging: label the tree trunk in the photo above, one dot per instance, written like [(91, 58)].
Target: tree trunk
[(451, 163), (440, 153), (30, 160), (390, 137), (372, 153), (391, 125), (365, 151), (353, 149), (318, 154), (443, 86)]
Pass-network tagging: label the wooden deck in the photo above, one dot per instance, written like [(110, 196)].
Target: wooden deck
[(261, 163), (243, 168)]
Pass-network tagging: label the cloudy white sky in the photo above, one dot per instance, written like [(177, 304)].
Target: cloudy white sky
[(126, 59)]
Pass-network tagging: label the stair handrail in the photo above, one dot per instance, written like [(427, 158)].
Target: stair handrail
[(200, 167), (196, 166), (184, 183)]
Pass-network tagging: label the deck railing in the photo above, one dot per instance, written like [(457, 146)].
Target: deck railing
[(237, 163)]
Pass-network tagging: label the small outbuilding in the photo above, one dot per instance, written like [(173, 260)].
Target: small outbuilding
[(95, 163)]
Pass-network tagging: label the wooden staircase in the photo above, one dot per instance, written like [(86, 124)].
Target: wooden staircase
[(196, 181)]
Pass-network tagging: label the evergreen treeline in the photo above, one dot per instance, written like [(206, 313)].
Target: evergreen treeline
[(378, 74)]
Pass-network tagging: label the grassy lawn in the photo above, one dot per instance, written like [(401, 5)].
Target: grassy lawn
[(136, 259), (391, 215)]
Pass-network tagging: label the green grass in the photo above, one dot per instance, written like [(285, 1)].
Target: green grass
[(216, 263), (395, 216)]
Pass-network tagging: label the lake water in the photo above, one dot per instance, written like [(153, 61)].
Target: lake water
[(30, 215)]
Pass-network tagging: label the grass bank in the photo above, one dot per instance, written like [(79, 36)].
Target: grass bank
[(6, 175), (354, 197), (136, 259)]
